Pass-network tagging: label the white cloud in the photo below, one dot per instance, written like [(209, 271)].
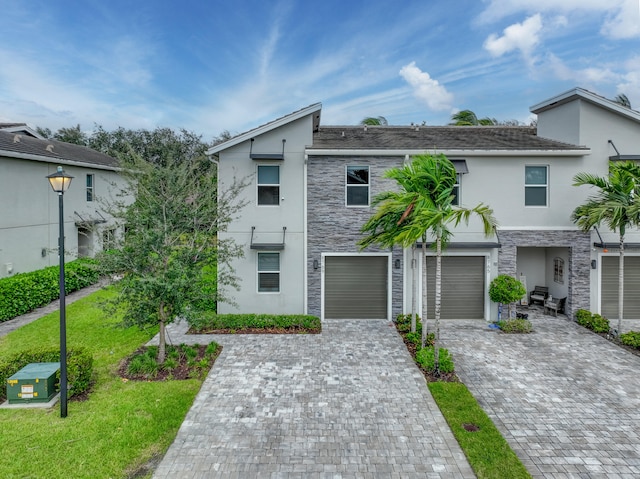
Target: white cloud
[(582, 76), (625, 22), (426, 88), (519, 36)]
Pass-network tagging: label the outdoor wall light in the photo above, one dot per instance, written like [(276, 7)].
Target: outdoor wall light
[(397, 264), (315, 264), (594, 264)]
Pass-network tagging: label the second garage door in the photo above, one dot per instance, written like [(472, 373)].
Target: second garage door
[(356, 287), (609, 297), (463, 288)]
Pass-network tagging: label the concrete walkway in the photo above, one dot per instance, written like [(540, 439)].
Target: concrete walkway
[(347, 403), (566, 400)]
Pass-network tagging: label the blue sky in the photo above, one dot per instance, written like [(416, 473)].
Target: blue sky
[(209, 66)]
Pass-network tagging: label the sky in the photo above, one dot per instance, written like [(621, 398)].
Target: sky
[(210, 66)]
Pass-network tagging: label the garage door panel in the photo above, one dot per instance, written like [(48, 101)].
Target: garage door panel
[(609, 290), (463, 287), (355, 287)]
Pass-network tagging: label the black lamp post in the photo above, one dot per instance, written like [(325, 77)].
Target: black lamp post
[(60, 182)]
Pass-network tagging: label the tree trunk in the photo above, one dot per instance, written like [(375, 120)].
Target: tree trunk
[(414, 279), (620, 285), (162, 342), (423, 260), (437, 302)]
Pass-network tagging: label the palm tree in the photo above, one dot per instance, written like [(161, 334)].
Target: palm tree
[(375, 121), (469, 118), (616, 204), (623, 100), (423, 205)]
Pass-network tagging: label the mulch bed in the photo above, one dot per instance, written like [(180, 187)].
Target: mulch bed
[(430, 376)]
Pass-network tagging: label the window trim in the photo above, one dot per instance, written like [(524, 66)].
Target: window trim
[(545, 186), (279, 272), (258, 185), (90, 189), (348, 185)]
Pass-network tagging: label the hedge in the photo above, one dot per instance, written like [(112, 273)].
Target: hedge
[(592, 321), (79, 367), (237, 322), (25, 292)]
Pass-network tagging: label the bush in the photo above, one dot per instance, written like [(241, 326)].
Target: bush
[(25, 292), (403, 323), (79, 367), (426, 359), (506, 289), (632, 339), (522, 326), (207, 322), (594, 322)]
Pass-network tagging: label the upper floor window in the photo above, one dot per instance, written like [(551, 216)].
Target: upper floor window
[(268, 272), (269, 185), (90, 179), (535, 185), (357, 184), (456, 191)]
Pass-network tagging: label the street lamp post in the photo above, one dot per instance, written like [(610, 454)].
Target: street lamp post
[(60, 182)]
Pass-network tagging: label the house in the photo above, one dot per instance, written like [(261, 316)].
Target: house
[(29, 220), (312, 188)]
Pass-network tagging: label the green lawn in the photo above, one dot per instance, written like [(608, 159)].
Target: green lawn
[(120, 427)]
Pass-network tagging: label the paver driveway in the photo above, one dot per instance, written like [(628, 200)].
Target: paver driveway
[(566, 400), (347, 403)]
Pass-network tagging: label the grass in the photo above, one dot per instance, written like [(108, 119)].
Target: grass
[(487, 451), (117, 430)]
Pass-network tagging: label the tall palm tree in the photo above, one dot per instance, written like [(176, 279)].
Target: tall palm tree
[(469, 118), (617, 204), (422, 205), (623, 100)]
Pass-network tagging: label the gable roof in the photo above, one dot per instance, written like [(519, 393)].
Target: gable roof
[(586, 95), (272, 125), (20, 128), (423, 138), (16, 145)]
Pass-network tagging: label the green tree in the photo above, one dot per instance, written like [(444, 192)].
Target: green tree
[(375, 121), (615, 204), (507, 290), (422, 205), (72, 135), (170, 246), (469, 118)]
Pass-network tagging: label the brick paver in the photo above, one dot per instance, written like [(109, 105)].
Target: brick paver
[(347, 403), (566, 400)]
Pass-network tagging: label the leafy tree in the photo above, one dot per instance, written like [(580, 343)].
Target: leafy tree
[(615, 204), (469, 118), (422, 205), (623, 100), (44, 132), (170, 246), (375, 121), (506, 289), (72, 135)]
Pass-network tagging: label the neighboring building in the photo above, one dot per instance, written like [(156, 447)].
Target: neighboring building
[(29, 216), (312, 191)]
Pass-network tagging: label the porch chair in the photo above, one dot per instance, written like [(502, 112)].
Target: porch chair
[(555, 306), (540, 294)]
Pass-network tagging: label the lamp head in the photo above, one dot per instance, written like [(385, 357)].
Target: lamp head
[(59, 180)]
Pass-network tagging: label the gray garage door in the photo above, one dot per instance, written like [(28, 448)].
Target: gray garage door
[(609, 298), (355, 287), (462, 287)]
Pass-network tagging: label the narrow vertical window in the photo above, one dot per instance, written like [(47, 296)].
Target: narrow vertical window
[(268, 185), (269, 272), (90, 187), (535, 186), (357, 183), (456, 191)]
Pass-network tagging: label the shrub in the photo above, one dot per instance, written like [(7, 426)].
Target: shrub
[(206, 322), (403, 323), (632, 339), (79, 367), (506, 289), (594, 322), (522, 326), (25, 292), (426, 359)]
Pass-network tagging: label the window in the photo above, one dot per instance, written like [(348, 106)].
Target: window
[(456, 191), (268, 272), (535, 186), (268, 185), (558, 270), (89, 187), (357, 186)]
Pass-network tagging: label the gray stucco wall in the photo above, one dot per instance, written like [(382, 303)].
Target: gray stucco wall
[(579, 254), (334, 227)]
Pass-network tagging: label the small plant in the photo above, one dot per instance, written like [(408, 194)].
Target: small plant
[(521, 326), (506, 289), (632, 339), (426, 359), (594, 322)]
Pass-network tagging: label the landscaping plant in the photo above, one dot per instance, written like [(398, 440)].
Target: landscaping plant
[(507, 290)]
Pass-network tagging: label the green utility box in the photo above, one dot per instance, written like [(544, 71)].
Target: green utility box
[(36, 382)]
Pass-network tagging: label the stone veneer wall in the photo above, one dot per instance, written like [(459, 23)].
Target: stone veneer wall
[(334, 227), (579, 245)]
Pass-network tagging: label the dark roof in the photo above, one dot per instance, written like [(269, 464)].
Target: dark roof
[(435, 137), (37, 149)]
